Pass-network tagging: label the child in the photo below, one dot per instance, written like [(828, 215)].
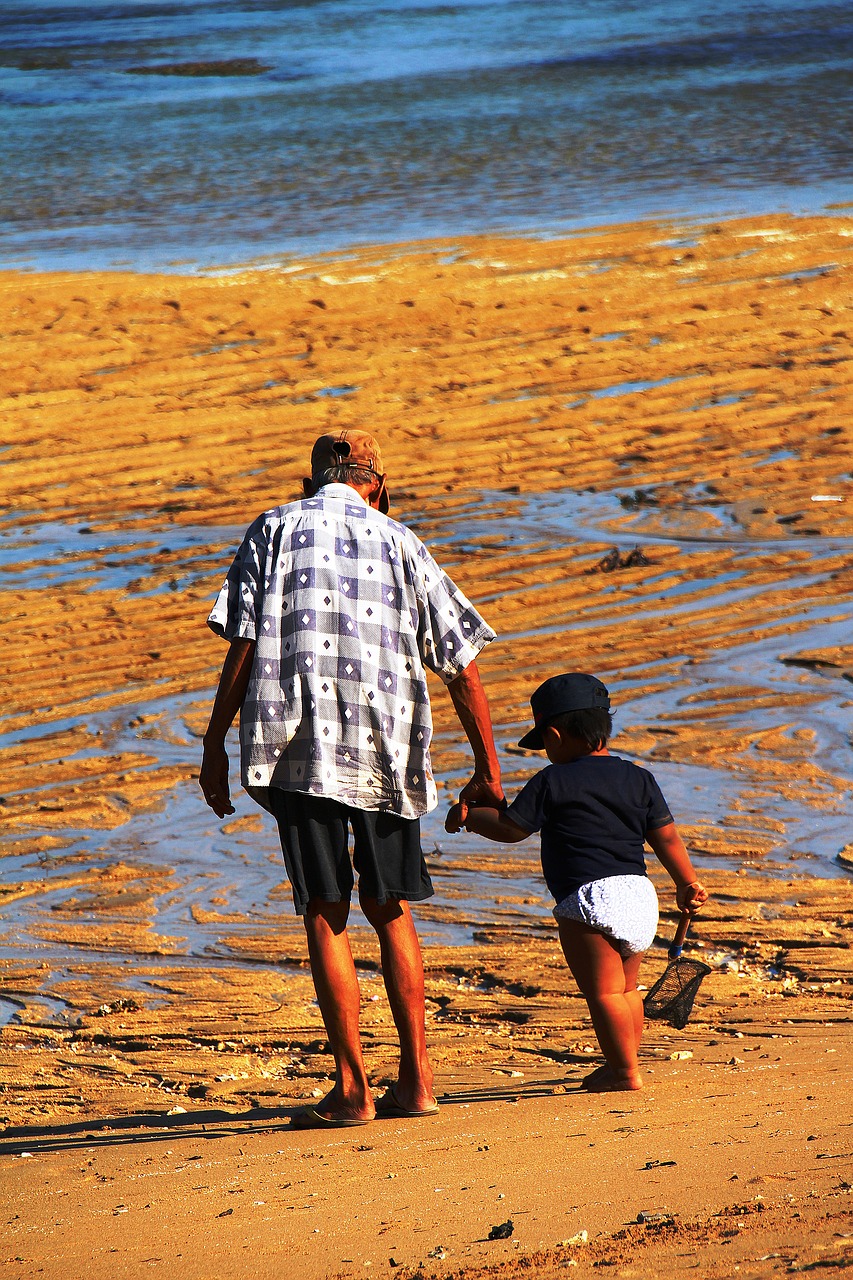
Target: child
[(594, 812)]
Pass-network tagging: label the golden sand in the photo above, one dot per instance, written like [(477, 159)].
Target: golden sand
[(698, 377)]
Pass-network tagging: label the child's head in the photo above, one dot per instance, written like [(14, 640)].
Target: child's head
[(592, 726), (571, 715)]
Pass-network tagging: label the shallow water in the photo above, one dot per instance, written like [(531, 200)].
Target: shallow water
[(233, 875), (145, 133), (104, 559)]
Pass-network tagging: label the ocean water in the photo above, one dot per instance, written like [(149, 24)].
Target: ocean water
[(157, 133)]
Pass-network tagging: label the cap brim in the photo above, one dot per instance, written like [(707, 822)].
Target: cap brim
[(533, 740)]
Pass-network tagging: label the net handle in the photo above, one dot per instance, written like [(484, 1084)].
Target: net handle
[(680, 935)]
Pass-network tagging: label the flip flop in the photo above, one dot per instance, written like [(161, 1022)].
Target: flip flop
[(311, 1118), (388, 1108)]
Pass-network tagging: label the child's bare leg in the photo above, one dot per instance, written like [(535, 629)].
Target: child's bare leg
[(631, 970), (597, 968)]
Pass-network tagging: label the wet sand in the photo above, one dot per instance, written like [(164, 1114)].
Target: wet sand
[(614, 443)]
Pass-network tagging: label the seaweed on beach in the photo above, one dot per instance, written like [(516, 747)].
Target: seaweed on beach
[(222, 67)]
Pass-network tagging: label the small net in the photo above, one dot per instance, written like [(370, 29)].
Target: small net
[(671, 998)]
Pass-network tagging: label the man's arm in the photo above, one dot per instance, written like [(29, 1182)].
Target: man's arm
[(472, 708), (233, 682)]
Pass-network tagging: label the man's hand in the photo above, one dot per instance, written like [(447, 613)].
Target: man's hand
[(483, 790), (480, 793), (213, 780), (456, 815), (233, 682)]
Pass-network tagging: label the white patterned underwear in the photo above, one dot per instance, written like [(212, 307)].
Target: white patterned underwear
[(625, 908)]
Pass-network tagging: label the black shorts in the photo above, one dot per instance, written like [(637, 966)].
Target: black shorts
[(314, 833)]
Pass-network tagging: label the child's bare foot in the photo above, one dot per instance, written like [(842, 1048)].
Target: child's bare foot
[(589, 1081), (603, 1080)]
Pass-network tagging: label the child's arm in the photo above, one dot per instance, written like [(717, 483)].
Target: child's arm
[(690, 893), (483, 821)]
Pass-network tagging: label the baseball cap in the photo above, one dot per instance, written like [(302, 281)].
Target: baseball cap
[(575, 691), (349, 449)]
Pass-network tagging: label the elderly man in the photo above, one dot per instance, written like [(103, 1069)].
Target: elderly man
[(333, 611)]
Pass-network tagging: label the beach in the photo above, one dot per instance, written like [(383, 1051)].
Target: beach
[(630, 447)]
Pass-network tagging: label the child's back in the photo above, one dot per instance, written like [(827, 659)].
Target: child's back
[(593, 814)]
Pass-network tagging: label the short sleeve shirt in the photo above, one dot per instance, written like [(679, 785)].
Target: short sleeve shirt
[(348, 609), (594, 815)]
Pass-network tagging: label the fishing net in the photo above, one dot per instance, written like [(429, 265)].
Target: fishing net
[(671, 997)]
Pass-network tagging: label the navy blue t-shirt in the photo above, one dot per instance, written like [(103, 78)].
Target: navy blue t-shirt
[(593, 815)]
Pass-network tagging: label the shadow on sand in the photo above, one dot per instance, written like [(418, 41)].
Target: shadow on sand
[(112, 1131)]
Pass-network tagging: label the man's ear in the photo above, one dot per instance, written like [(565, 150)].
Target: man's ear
[(308, 486), (379, 498)]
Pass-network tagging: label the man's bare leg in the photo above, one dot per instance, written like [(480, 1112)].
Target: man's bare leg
[(403, 975), (338, 995)]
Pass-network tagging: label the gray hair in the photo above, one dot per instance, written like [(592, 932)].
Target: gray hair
[(345, 473)]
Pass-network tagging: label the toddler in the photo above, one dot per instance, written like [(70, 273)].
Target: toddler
[(594, 812)]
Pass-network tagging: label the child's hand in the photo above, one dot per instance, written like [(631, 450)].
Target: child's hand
[(456, 815), (690, 897)]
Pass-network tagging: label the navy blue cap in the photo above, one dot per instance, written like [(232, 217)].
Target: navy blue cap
[(575, 691)]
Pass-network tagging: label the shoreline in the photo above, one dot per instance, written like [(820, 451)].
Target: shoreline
[(695, 395), (222, 262)]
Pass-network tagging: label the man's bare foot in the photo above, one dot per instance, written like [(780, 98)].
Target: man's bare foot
[(390, 1106), (334, 1114), (604, 1080)]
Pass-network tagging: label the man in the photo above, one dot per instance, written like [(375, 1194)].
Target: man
[(333, 610)]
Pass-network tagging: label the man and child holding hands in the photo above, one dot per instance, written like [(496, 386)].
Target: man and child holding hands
[(333, 611)]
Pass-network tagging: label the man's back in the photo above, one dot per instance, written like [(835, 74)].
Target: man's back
[(347, 607)]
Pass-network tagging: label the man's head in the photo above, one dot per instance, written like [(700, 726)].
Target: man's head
[(349, 457), (577, 704)]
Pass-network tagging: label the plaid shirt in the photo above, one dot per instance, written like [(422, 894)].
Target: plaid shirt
[(347, 608)]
